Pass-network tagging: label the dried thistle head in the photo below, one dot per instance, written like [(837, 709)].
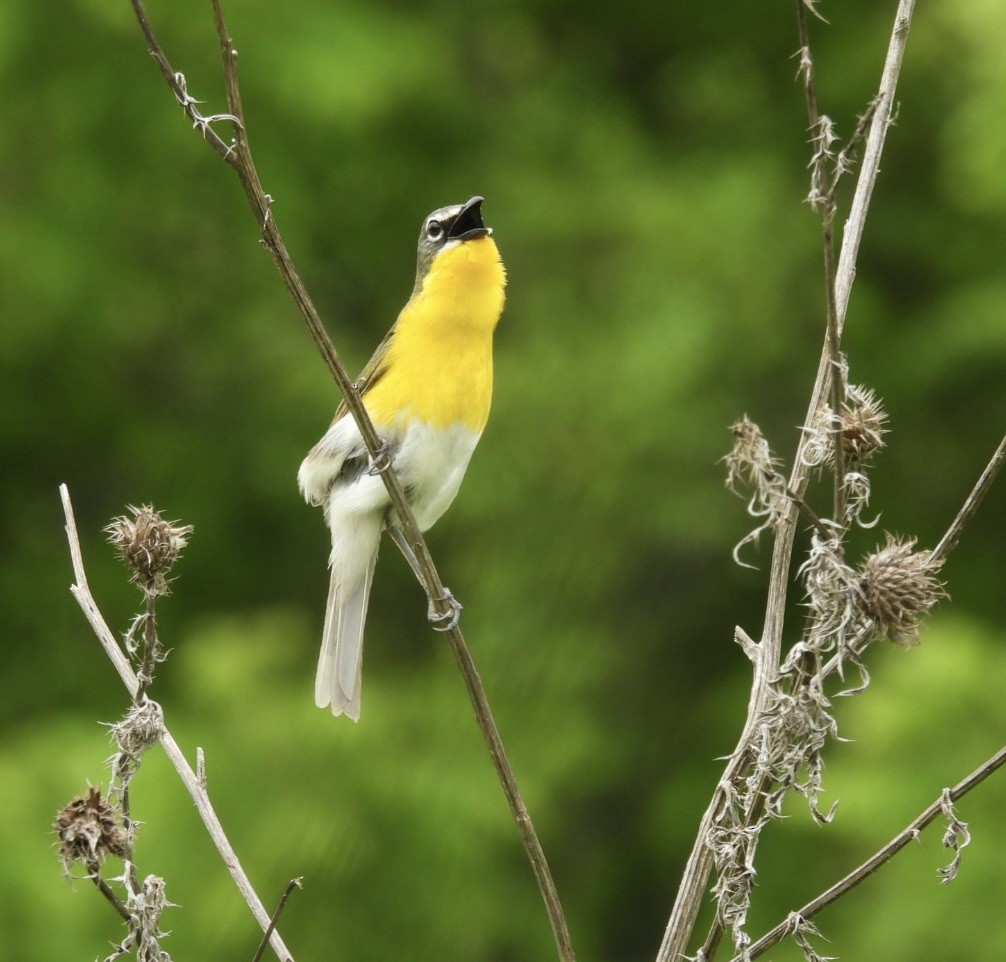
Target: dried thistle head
[(751, 463), (132, 736), (830, 590), (139, 729), (89, 830), (146, 907), (148, 545), (859, 427), (750, 460), (862, 425), (899, 587)]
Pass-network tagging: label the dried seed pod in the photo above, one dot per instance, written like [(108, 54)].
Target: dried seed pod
[(861, 425), (148, 545), (750, 461), (139, 729), (89, 830), (899, 588)]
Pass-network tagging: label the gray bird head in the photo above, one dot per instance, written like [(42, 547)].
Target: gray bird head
[(445, 228)]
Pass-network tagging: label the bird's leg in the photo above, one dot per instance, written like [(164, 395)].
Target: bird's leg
[(446, 621)]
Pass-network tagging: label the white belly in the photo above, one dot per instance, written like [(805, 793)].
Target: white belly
[(429, 461), (431, 464)]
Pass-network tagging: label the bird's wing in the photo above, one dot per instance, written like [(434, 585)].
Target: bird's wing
[(341, 455), (373, 371)]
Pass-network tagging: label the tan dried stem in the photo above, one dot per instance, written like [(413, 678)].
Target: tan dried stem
[(696, 875), (196, 789)]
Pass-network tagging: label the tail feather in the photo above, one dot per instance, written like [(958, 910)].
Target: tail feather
[(338, 680)]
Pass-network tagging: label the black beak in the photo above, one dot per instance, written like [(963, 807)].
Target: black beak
[(468, 224)]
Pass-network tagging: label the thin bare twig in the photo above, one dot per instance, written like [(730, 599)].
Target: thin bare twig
[(823, 200), (290, 886), (102, 886), (694, 880), (908, 834), (176, 81), (239, 156), (971, 504), (82, 593)]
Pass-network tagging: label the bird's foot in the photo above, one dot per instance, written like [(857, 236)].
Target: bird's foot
[(445, 620), (381, 461)]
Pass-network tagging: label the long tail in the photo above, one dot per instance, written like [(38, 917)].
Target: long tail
[(338, 679)]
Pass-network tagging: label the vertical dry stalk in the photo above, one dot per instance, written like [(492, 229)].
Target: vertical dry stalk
[(766, 666)]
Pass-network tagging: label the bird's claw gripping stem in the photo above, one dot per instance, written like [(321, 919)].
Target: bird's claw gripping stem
[(446, 620), (381, 461)]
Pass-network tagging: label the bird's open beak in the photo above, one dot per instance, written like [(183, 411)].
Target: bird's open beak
[(468, 224)]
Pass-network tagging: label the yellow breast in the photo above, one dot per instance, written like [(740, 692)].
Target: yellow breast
[(440, 364)]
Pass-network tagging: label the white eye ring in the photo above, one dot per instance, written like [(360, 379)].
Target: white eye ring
[(434, 230)]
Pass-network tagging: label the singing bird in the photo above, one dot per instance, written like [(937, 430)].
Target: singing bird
[(428, 390)]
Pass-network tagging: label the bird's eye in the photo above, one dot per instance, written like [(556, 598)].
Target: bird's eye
[(434, 230)]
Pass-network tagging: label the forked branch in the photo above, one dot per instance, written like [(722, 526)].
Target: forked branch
[(195, 785), (908, 834)]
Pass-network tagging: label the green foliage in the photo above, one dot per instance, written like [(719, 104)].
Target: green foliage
[(643, 166)]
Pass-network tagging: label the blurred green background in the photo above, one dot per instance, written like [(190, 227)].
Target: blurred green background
[(643, 165)]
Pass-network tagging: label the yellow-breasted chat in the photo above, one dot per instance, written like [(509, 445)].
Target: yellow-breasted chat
[(428, 390)]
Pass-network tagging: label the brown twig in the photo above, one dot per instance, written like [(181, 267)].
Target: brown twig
[(823, 201), (971, 504), (290, 886), (238, 155), (102, 886), (176, 81), (908, 834), (82, 593), (700, 862)]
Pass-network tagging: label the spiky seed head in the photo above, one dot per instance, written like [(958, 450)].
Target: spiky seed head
[(899, 588), (862, 425), (148, 545), (89, 830), (750, 460), (139, 729)]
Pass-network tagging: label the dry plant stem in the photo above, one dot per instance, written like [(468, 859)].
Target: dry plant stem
[(699, 865), (149, 646), (826, 206), (908, 834), (144, 677), (689, 899), (82, 593), (238, 155), (971, 504), (103, 887), (290, 886), (127, 823)]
